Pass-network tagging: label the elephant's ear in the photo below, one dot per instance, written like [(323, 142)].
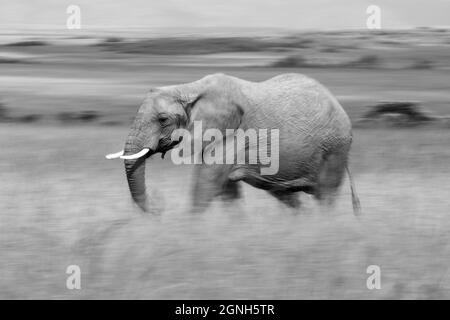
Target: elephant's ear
[(214, 109)]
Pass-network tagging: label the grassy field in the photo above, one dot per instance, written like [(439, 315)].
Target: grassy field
[(62, 203)]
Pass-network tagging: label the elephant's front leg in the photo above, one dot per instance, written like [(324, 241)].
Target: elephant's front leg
[(211, 181)]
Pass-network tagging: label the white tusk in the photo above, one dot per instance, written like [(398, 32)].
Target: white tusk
[(136, 155), (114, 155)]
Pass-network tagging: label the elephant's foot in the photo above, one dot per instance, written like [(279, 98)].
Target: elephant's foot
[(291, 200)]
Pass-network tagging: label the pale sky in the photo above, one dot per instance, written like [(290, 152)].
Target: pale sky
[(289, 14)]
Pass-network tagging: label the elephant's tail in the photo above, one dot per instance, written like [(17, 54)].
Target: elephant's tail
[(355, 198)]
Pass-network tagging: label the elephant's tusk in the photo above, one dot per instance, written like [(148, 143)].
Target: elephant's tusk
[(136, 155), (114, 155)]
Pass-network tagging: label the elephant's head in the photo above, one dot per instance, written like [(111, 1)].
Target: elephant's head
[(163, 111), (159, 115)]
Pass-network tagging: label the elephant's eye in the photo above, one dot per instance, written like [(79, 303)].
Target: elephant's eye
[(163, 121)]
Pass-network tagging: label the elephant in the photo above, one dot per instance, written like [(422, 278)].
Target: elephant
[(315, 135)]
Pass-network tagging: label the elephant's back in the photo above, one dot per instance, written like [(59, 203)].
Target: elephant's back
[(298, 104)]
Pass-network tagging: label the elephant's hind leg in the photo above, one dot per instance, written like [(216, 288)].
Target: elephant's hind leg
[(330, 177), (290, 199)]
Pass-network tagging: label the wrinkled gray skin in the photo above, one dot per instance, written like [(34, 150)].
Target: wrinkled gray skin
[(314, 135)]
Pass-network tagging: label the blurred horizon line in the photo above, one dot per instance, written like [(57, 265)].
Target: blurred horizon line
[(179, 31)]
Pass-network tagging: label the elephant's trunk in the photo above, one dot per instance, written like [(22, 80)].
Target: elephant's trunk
[(135, 171)]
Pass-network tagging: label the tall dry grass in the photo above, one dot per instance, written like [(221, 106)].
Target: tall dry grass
[(62, 204)]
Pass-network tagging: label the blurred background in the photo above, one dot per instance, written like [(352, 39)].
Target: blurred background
[(67, 98)]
